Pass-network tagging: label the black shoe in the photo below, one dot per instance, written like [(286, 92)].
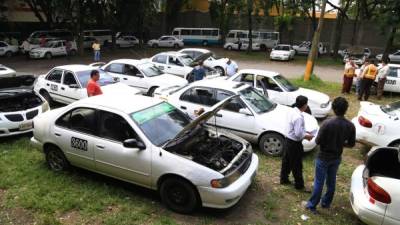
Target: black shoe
[(285, 182)]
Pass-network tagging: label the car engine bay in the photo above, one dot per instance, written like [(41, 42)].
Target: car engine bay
[(18, 100)]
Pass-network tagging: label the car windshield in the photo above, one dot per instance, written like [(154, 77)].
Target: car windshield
[(391, 109), (160, 123), (150, 70), (51, 44), (285, 83), (84, 76), (186, 60), (256, 101)]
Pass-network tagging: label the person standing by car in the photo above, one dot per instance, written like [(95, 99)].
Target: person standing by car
[(42, 41), (68, 47), (96, 50), (359, 77), (382, 74), (293, 153), (25, 48), (199, 72), (93, 88), (368, 78), (231, 68), (333, 135), (349, 74)]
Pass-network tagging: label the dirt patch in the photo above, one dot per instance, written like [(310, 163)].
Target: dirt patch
[(71, 217)]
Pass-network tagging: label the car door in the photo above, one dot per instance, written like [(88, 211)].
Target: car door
[(53, 83), (160, 61), (392, 83), (70, 90), (275, 92), (59, 49), (247, 78), (164, 42), (117, 70), (112, 158), (196, 98), (134, 78), (74, 132), (175, 66)]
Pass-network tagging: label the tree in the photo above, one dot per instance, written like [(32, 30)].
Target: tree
[(3, 9), (250, 24)]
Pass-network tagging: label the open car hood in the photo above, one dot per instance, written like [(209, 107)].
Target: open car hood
[(202, 118), (17, 82), (200, 58)]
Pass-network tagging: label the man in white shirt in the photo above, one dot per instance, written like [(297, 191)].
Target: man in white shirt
[(382, 74), (231, 68)]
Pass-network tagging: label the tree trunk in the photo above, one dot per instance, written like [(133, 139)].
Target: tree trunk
[(80, 26), (338, 35), (389, 43), (250, 24), (353, 37)]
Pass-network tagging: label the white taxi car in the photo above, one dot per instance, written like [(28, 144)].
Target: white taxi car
[(142, 75), (282, 52), (66, 84), (375, 187), (252, 116), (243, 47), (304, 48), (219, 64), (150, 143), (166, 41), (8, 50), (281, 91), (6, 71), (378, 124), (53, 48), (392, 83), (19, 104), (181, 64)]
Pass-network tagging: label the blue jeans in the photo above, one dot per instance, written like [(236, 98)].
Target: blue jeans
[(96, 56), (324, 171), (358, 85)]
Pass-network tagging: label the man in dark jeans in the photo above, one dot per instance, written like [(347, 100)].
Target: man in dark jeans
[(292, 159), (334, 134)]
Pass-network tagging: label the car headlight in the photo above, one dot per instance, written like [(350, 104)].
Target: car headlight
[(45, 107), (219, 183), (324, 105)]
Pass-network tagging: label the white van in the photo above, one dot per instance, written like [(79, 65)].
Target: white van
[(266, 39), (101, 35)]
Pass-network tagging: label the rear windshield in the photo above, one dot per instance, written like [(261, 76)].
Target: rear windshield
[(391, 109)]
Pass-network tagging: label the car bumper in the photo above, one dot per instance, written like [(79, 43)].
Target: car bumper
[(8, 128), (229, 196), (279, 57), (366, 211), (367, 135), (321, 112), (36, 143)]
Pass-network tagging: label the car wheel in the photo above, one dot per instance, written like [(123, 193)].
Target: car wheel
[(46, 96), (229, 48), (72, 52), (220, 70), (55, 159), (154, 45), (272, 144), (179, 195), (8, 54), (263, 48), (48, 55), (176, 46), (151, 91), (204, 43), (395, 144), (374, 89)]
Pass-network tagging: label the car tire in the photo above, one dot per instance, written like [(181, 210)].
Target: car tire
[(55, 159), (272, 144), (229, 48), (204, 43), (154, 45), (151, 91), (263, 48), (374, 89), (48, 55), (179, 195), (8, 54), (47, 96), (220, 70), (395, 144), (72, 52)]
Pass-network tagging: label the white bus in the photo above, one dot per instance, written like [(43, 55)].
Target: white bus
[(266, 39), (101, 35), (203, 36)]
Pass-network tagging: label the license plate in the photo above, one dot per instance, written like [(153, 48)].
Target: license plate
[(25, 126)]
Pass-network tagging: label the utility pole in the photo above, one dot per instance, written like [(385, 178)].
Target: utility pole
[(314, 47)]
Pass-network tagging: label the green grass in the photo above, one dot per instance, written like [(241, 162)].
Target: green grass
[(31, 193)]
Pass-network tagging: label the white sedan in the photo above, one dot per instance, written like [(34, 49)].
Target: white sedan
[(281, 91), (6, 71), (141, 75), (53, 48), (378, 124), (251, 116), (219, 64), (394, 57), (243, 47), (305, 47), (66, 84), (150, 143), (282, 52), (7, 49), (375, 187), (166, 41)]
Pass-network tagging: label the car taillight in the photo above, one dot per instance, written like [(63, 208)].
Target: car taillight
[(364, 122), (377, 193)]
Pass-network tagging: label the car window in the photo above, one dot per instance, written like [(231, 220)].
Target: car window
[(79, 119), (231, 35), (196, 32), (2, 44), (189, 53), (160, 59), (175, 32), (202, 96), (55, 76), (247, 78), (114, 127), (116, 68), (235, 105), (163, 38), (150, 70), (132, 71), (174, 61), (393, 72), (268, 83), (206, 32), (69, 78)]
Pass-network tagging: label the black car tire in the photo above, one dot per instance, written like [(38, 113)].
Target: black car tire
[(8, 54), (56, 159), (272, 144), (151, 91), (220, 70), (179, 195), (48, 55)]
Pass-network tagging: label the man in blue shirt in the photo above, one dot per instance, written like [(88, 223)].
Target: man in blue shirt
[(199, 72)]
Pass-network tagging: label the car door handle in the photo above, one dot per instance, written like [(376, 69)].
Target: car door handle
[(63, 88), (57, 134), (100, 146), (218, 115), (169, 67), (48, 84), (125, 78), (183, 107)]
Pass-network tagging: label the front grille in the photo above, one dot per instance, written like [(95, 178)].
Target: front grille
[(13, 130), (14, 117), (31, 114)]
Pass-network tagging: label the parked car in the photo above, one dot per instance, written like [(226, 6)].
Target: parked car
[(19, 104), (304, 48), (378, 124), (280, 90), (244, 46), (392, 83), (251, 116), (142, 75), (166, 41), (8, 50), (181, 64), (6, 72), (125, 41), (219, 64), (53, 48), (66, 84), (358, 55), (150, 143), (282, 52), (394, 57), (375, 187)]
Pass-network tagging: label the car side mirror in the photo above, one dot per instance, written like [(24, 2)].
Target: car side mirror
[(139, 75), (133, 143), (245, 111), (277, 89), (73, 86)]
